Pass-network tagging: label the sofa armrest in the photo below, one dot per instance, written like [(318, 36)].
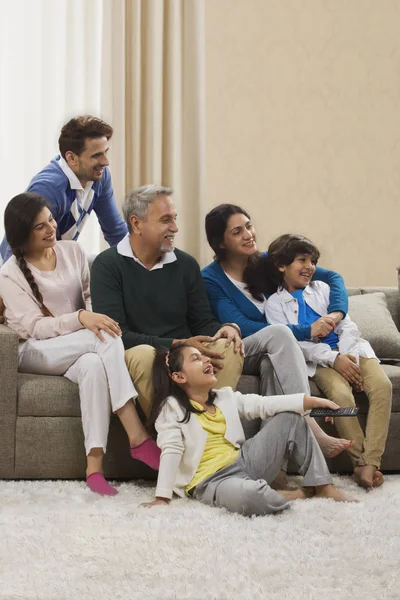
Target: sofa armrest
[(8, 398), (8, 370)]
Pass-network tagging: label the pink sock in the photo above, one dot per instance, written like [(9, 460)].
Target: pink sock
[(99, 485), (148, 452)]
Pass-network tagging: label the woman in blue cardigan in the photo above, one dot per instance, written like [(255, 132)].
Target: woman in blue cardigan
[(232, 237)]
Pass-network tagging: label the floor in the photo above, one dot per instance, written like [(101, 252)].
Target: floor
[(60, 541)]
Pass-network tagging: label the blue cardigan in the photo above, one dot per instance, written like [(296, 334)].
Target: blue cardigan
[(52, 183), (229, 304)]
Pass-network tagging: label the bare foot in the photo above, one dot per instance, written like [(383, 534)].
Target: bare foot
[(330, 491), (298, 494), (378, 479), (368, 477), (309, 492), (281, 482), (364, 476), (332, 446)]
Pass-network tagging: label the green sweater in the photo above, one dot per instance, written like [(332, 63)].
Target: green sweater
[(152, 307)]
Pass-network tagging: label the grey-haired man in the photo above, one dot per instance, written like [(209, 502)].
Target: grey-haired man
[(156, 293)]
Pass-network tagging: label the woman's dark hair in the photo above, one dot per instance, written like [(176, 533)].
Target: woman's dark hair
[(77, 130), (216, 224), (264, 277), (19, 218), (167, 362)]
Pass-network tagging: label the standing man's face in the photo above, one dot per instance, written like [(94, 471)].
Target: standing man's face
[(90, 164), (159, 227)]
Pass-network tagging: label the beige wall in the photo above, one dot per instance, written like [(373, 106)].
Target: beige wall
[(303, 125)]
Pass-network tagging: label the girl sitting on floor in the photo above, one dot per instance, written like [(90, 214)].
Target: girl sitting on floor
[(203, 450), (339, 362)]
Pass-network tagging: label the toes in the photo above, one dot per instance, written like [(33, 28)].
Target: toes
[(362, 480), (378, 479), (366, 483)]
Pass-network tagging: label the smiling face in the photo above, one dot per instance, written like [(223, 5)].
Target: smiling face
[(158, 228), (90, 164), (239, 237), (299, 273), (196, 372), (43, 233)]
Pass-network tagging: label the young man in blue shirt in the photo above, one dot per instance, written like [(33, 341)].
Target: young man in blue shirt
[(78, 181)]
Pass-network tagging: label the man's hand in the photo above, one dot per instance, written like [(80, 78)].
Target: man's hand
[(232, 335), (199, 341), (96, 322), (310, 402), (156, 502), (346, 365)]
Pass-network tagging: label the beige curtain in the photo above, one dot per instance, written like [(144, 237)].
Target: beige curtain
[(153, 92), (50, 70), (139, 64)]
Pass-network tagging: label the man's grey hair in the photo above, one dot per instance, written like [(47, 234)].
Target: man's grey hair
[(138, 201)]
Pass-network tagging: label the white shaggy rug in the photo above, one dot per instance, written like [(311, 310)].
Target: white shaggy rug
[(59, 541)]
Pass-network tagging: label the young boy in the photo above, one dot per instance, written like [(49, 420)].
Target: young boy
[(338, 363)]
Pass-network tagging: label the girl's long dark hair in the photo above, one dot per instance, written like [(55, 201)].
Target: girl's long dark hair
[(19, 217), (165, 363), (264, 276)]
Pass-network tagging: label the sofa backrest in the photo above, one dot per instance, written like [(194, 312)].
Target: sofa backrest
[(392, 296)]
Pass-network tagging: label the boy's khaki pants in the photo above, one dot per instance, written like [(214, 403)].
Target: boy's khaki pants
[(367, 449)]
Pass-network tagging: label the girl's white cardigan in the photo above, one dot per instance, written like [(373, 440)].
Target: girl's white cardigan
[(182, 444)]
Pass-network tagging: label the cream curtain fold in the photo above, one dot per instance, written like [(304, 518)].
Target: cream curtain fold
[(154, 95)]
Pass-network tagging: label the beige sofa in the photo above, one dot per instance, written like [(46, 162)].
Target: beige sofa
[(40, 426)]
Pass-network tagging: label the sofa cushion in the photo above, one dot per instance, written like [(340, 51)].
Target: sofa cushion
[(51, 396), (392, 298), (371, 314), (393, 372), (47, 396)]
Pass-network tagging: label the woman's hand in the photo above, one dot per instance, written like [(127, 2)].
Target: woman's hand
[(96, 322), (155, 502), (313, 402), (322, 327)]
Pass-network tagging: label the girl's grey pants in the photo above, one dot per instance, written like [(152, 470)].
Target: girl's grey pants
[(244, 486)]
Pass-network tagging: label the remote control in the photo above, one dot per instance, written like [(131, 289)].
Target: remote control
[(349, 411)]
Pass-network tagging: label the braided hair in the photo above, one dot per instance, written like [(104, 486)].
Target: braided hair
[(19, 218)]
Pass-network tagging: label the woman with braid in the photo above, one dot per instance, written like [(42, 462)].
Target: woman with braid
[(45, 289)]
